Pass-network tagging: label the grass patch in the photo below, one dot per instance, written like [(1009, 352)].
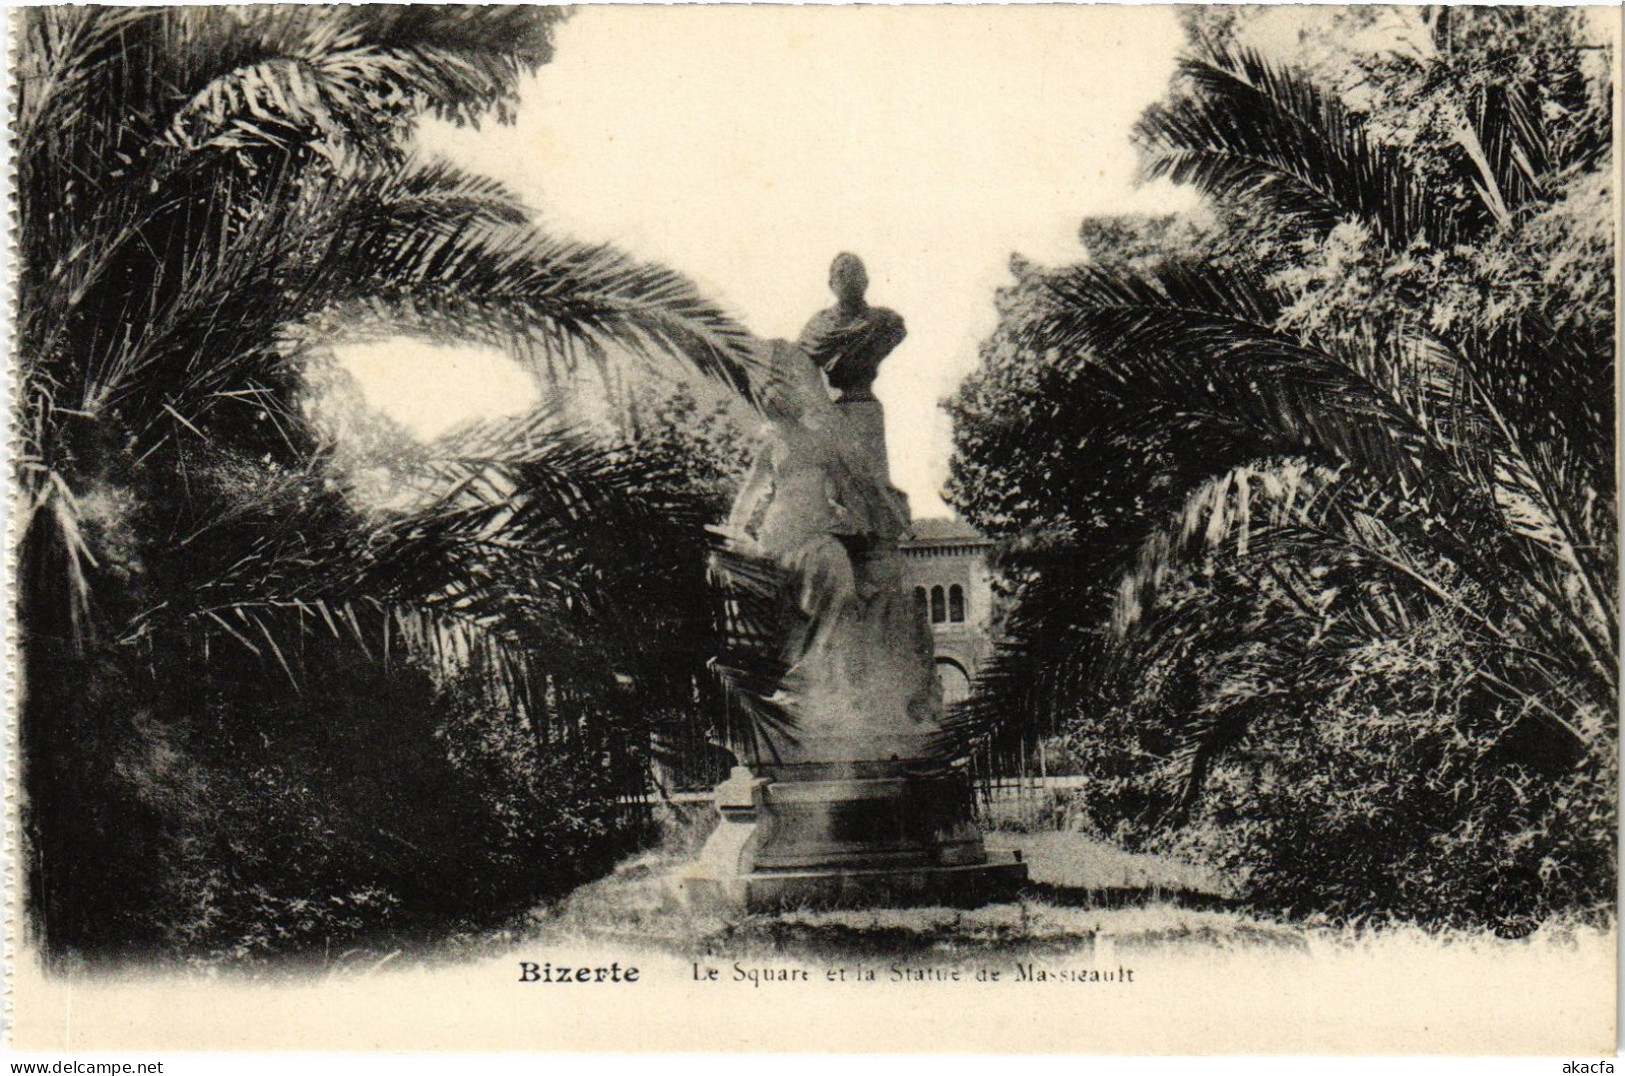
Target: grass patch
[(637, 905)]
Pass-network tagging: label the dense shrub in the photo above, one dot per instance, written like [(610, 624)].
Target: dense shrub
[(1405, 793), (367, 809)]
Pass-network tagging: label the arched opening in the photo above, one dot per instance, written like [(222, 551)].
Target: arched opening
[(956, 604), (939, 606), (922, 603), (954, 680)]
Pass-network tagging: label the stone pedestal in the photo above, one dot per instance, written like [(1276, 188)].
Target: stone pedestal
[(846, 834)]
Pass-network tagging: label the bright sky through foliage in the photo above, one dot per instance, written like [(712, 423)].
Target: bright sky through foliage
[(746, 146), (430, 388)]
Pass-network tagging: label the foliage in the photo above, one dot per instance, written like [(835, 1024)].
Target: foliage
[(206, 199), (1399, 796), (1350, 402)]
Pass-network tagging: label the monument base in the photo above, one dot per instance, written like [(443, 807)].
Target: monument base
[(846, 835)]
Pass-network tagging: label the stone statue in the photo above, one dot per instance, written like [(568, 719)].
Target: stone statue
[(848, 800), (848, 341), (860, 682)]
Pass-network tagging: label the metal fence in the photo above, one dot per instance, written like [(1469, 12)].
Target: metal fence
[(1023, 802)]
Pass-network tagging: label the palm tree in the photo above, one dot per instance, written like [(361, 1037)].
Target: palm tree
[(1370, 459), (206, 197)]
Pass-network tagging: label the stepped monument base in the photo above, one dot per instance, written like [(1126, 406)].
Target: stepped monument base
[(846, 835)]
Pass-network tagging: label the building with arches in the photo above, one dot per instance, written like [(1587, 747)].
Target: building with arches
[(945, 563)]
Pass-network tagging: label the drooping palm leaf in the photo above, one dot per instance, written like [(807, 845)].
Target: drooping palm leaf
[(414, 248), (163, 288), (753, 615), (1183, 362), (1203, 344), (1179, 349), (1252, 129), (515, 559)]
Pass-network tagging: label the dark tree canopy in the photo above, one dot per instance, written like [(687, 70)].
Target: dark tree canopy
[(1244, 457), (250, 688)]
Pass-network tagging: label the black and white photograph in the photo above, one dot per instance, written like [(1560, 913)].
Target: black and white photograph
[(1072, 529)]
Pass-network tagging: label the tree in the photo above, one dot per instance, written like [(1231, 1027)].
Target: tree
[(206, 197), (1362, 404)]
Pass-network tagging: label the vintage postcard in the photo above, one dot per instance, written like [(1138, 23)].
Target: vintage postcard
[(1004, 529)]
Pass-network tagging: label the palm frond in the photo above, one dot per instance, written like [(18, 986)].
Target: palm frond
[(1372, 569), (1181, 346), (421, 252), (1048, 660), (159, 293), (338, 79), (1181, 352), (520, 569), (52, 547), (1230, 508), (1547, 396), (1252, 129), (754, 612)]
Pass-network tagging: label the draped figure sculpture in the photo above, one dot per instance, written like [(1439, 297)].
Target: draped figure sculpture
[(858, 680)]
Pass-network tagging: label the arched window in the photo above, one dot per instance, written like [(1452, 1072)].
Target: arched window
[(922, 602), (939, 606), (956, 604)]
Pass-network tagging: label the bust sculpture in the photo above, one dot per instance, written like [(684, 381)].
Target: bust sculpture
[(847, 342)]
